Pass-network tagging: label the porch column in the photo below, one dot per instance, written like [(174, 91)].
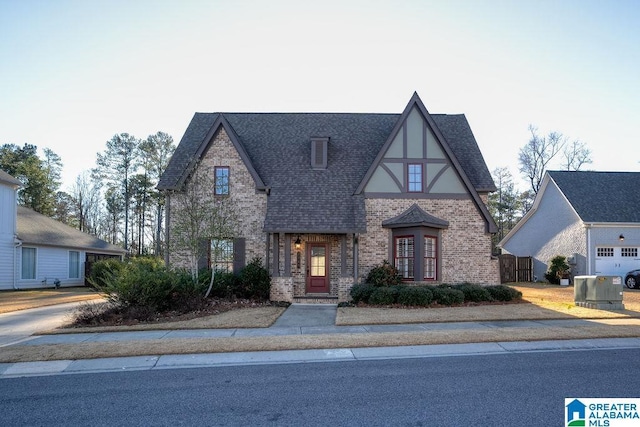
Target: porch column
[(276, 255), (287, 255), (356, 261), (343, 256)]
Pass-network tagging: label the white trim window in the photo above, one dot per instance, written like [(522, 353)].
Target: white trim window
[(28, 263), (430, 257), (404, 256), (74, 265)]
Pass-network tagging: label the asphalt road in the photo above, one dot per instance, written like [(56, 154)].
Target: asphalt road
[(523, 389)]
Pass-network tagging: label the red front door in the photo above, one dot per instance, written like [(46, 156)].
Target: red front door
[(317, 268)]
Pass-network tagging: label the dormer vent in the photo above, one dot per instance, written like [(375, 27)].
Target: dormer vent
[(319, 148)]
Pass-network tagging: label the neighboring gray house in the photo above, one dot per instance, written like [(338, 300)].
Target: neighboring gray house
[(324, 197), (37, 251), (592, 218), (51, 251), (8, 187)]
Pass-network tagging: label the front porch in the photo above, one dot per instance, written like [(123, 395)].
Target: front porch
[(312, 268)]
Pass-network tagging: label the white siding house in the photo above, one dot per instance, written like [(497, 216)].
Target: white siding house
[(37, 251), (591, 218), (8, 187)]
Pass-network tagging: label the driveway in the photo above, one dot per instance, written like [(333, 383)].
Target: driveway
[(34, 298), (19, 325)]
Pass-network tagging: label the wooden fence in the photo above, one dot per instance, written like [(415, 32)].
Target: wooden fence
[(515, 269)]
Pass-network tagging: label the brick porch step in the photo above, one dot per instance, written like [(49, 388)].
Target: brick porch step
[(315, 300)]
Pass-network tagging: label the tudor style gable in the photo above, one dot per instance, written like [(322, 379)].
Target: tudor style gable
[(416, 161)]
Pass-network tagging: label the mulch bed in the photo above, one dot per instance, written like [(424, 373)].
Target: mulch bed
[(105, 314)]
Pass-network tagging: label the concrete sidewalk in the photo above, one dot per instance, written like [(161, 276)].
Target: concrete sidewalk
[(303, 356), (301, 319)]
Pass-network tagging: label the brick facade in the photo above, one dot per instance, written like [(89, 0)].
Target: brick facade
[(466, 247), (251, 206)]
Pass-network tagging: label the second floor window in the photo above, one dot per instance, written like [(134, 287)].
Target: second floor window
[(221, 184), (415, 178)]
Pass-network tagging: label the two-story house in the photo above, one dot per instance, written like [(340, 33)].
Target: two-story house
[(324, 197)]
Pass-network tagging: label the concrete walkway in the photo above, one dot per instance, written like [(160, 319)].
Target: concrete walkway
[(301, 319)]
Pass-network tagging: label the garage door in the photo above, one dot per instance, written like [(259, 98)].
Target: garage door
[(616, 261)]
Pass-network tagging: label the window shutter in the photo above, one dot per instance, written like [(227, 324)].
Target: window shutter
[(205, 250), (239, 261)]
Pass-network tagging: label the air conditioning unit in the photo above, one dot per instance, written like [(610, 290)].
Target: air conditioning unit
[(599, 292)]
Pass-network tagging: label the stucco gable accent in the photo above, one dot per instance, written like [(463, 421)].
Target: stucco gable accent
[(415, 217), (221, 123), (416, 102)]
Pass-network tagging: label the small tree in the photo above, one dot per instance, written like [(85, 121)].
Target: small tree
[(558, 269), (201, 222)]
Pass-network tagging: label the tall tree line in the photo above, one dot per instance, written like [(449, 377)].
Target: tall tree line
[(508, 205), (126, 175), (116, 201)]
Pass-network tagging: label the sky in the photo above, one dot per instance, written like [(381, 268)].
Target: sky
[(75, 73)]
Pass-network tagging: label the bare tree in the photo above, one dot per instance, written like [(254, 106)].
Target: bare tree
[(536, 155), (575, 155), (85, 195)]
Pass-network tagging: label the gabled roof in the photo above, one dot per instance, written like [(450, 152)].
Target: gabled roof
[(40, 230), (601, 197), (595, 197), (7, 179), (459, 144), (415, 217), (278, 151)]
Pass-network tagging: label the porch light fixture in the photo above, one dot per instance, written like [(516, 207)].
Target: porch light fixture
[(298, 243), (621, 238)]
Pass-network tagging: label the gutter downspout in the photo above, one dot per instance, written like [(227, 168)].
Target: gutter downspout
[(17, 243), (589, 257)]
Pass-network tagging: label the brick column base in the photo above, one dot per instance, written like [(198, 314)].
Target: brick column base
[(281, 289), (344, 289)]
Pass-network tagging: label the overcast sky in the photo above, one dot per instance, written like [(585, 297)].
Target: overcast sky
[(74, 73)]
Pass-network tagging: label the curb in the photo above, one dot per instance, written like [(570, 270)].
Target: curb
[(211, 360)]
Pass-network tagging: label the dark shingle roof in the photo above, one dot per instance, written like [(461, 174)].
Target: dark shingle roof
[(38, 229), (601, 196), (415, 217), (306, 200), (5, 178)]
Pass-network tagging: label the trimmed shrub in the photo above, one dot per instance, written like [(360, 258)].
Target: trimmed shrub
[(148, 286), (558, 268), (103, 270), (474, 293), (361, 293), (384, 295), (416, 296), (384, 274), (504, 293), (447, 296), (255, 281)]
